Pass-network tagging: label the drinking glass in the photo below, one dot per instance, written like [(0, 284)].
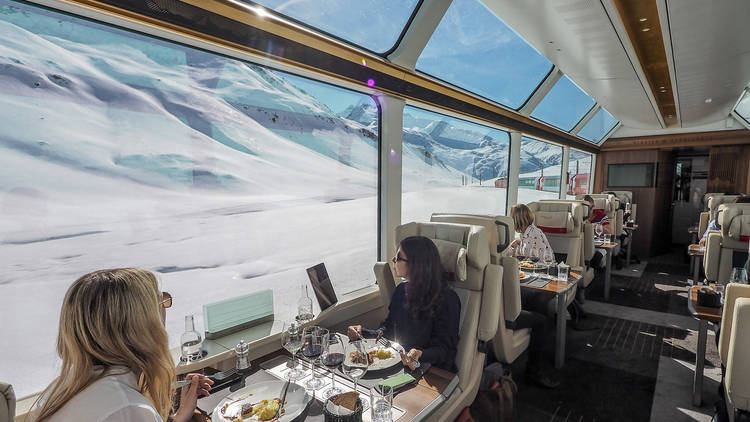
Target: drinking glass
[(549, 259), (356, 363), (720, 291), (562, 272), (314, 340), (291, 339), (599, 230), (525, 251), (381, 397), (332, 357), (534, 256), (739, 275)]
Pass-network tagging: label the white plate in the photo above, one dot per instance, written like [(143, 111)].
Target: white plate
[(379, 364), (296, 400), (526, 275)]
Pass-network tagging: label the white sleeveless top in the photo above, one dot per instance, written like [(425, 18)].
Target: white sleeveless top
[(114, 398)]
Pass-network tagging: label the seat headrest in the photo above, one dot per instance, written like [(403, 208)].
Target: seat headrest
[(452, 258), (715, 202), (497, 237), (613, 201), (472, 238), (625, 196), (734, 220), (602, 204), (557, 217)]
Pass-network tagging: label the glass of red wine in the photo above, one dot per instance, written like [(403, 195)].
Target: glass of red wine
[(332, 357), (315, 338)]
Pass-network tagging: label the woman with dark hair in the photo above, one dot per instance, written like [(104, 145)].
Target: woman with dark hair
[(424, 312)]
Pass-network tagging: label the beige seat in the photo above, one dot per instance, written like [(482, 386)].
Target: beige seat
[(7, 403), (734, 347), (626, 197), (611, 206), (712, 208), (480, 295), (507, 344), (722, 246)]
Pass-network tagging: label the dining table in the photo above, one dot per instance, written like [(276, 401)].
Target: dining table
[(704, 315), (411, 403), (559, 288)]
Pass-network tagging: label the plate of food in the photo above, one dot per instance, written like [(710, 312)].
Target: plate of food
[(532, 265), (260, 402), (379, 357), (522, 275)]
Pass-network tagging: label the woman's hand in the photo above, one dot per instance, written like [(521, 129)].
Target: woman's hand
[(354, 332), (515, 243), (702, 242), (200, 386), (410, 359)]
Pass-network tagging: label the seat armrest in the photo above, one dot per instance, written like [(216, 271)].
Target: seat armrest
[(703, 224), (712, 256), (386, 282), (490, 312)]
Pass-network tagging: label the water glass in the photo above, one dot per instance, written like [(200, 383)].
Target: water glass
[(562, 272), (720, 290), (381, 397), (739, 275), (292, 341)]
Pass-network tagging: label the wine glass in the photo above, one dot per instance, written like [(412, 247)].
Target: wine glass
[(525, 251), (549, 259), (291, 339), (356, 363), (332, 357), (314, 339), (534, 256), (739, 275)]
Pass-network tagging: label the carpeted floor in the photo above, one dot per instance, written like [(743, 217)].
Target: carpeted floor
[(610, 371)]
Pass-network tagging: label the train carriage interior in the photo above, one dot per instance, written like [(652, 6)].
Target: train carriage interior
[(230, 146)]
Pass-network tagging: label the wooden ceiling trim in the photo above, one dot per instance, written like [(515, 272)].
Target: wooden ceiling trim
[(678, 140), (641, 21)]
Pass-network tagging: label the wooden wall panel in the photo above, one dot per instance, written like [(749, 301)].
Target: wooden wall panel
[(653, 203), (728, 169)]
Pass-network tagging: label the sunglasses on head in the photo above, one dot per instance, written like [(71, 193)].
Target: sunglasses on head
[(166, 300)]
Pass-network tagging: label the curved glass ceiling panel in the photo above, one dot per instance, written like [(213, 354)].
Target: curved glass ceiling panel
[(475, 50), (564, 105), (598, 126), (372, 24), (743, 107)]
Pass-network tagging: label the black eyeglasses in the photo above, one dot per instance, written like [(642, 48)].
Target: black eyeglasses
[(398, 258), (166, 300)]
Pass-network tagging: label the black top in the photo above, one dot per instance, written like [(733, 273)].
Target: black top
[(436, 337)]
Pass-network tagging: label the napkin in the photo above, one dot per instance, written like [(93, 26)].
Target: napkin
[(337, 410), (398, 381)]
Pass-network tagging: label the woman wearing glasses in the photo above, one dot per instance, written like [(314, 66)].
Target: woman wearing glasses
[(425, 311), (116, 364)]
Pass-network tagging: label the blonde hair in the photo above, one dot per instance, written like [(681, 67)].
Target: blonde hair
[(112, 318), (522, 216)]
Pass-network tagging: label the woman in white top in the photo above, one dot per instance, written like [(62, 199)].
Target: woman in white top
[(116, 364), (532, 238)]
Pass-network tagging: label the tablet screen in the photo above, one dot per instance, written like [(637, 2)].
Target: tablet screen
[(322, 286)]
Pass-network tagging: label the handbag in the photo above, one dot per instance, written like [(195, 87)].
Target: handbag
[(496, 403)]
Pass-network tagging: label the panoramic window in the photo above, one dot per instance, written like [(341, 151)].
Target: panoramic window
[(221, 176), (579, 173), (598, 127), (540, 171), (374, 25), (743, 107), (475, 50), (451, 165), (564, 105)]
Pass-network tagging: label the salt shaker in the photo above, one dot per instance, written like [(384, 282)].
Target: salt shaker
[(242, 351)]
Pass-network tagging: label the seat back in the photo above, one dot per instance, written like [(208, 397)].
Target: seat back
[(562, 223), (626, 197), (611, 205), (716, 201), (708, 196), (479, 292), (703, 223), (732, 292), (386, 282), (7, 403), (722, 246), (737, 382), (587, 236), (507, 344)]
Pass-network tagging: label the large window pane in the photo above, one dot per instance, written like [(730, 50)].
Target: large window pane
[(475, 50), (374, 25), (579, 170), (539, 176), (743, 107), (221, 176), (598, 127), (451, 165), (564, 105)]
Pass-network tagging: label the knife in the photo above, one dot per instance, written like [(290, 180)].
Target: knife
[(283, 398)]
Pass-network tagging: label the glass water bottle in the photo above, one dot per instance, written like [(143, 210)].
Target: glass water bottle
[(191, 341), (304, 306)]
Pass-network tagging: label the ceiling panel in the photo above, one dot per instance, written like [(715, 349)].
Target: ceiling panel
[(711, 48)]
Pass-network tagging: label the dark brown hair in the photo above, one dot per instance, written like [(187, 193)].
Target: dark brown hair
[(426, 280)]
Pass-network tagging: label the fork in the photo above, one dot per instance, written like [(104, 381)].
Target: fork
[(384, 342)]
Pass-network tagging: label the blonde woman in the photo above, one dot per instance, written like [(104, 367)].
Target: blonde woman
[(116, 364), (532, 238)]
